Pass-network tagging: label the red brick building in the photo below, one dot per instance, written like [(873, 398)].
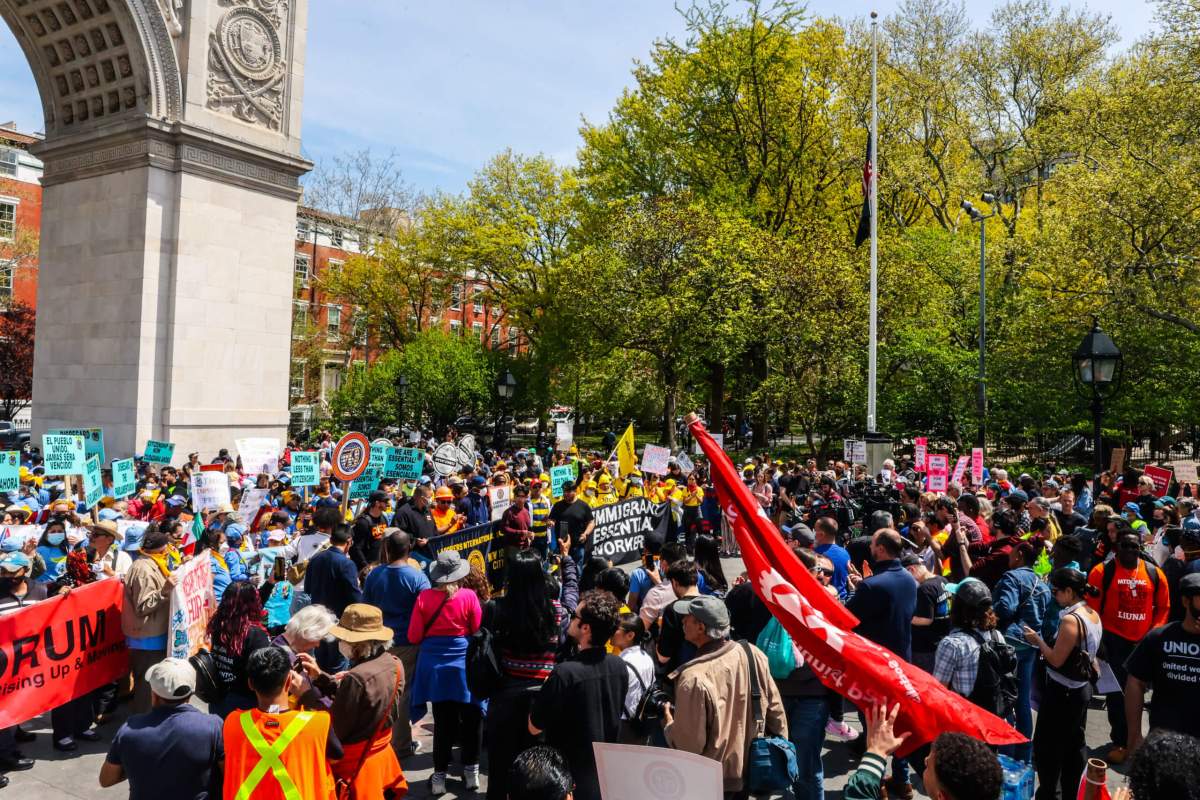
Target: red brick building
[(20, 216)]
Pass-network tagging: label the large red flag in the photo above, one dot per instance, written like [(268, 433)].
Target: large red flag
[(844, 661)]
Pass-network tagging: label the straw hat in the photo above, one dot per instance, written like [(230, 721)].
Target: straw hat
[(106, 527), (362, 622)]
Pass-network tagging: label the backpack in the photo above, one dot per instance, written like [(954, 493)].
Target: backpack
[(995, 687), (1110, 573), (483, 664)]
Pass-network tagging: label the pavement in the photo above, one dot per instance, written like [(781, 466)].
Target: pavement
[(74, 776)]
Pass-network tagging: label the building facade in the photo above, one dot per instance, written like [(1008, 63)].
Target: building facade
[(20, 216)]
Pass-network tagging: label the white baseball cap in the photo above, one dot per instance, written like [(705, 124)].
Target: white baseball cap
[(172, 679)]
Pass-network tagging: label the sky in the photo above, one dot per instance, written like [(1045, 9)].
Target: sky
[(446, 85)]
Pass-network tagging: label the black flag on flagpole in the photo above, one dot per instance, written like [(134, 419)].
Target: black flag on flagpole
[(864, 219)]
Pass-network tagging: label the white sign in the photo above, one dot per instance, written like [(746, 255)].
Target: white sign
[(654, 459), (252, 500), (719, 438), (192, 606), (1185, 472), (501, 497), (209, 490), (445, 459), (628, 771), (259, 454), (855, 450), (685, 464), (564, 435), (466, 452)]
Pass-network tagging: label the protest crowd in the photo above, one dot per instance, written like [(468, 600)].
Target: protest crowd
[(282, 630)]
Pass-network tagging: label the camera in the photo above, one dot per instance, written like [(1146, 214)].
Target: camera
[(658, 697)]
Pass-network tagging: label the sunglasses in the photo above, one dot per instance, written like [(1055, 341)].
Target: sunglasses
[(828, 573)]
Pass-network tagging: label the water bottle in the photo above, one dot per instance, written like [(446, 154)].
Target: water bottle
[(1018, 779)]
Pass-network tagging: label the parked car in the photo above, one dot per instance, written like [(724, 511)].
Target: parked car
[(527, 426), (12, 437), (466, 424)]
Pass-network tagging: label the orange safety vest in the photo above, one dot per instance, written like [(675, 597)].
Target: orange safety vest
[(277, 756)]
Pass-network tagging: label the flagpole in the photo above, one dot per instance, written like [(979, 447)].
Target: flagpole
[(872, 359)]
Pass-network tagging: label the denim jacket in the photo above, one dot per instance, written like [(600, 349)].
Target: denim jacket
[(1020, 597)]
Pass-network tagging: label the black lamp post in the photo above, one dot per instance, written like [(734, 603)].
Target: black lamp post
[(506, 387), (981, 388), (401, 390), (1098, 366)]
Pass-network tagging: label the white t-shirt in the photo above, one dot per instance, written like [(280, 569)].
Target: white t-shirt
[(643, 665)]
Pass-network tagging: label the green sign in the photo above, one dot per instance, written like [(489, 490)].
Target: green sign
[(124, 478), (362, 486), (63, 455), (159, 452), (93, 439), (306, 468), (10, 471), (93, 484), (405, 463), (559, 476)]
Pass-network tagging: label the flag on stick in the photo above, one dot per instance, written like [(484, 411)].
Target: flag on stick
[(626, 452)]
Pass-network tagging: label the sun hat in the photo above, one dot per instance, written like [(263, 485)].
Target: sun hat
[(107, 527), (362, 622), (449, 568), (172, 679)]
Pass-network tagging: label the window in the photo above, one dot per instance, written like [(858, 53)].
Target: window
[(335, 237), (6, 283), (297, 384), (455, 297), (8, 219), (302, 230), (302, 264), (477, 330), (512, 337), (495, 337), (456, 327), (334, 263), (331, 380), (333, 321), (478, 299), (8, 161), (299, 317)]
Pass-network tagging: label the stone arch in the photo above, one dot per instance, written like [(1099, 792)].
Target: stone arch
[(95, 61)]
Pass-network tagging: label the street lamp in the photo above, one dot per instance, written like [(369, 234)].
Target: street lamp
[(506, 386), (401, 384), (1098, 366), (981, 393)]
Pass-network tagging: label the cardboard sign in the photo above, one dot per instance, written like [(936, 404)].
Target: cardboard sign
[(655, 459), (259, 454), (1185, 472), (564, 435), (960, 467), (445, 459), (655, 773), (248, 507), (306, 468), (622, 528), (1116, 464), (938, 471), (920, 452), (61, 649), (93, 483), (209, 490), (93, 439), (1161, 477), (10, 471), (501, 497), (192, 606), (977, 466), (124, 478), (559, 476), (63, 455), (362, 486), (159, 452), (404, 463)]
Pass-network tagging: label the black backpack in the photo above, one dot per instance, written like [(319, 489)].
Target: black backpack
[(995, 687), (483, 665)]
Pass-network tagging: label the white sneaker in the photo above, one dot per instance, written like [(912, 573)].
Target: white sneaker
[(437, 784), (840, 731), (471, 777)]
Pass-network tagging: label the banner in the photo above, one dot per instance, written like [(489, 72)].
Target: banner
[(977, 466), (60, 649), (920, 451), (501, 499), (10, 471), (960, 467), (306, 468), (626, 453), (622, 528), (821, 629), (124, 478), (192, 606), (559, 476), (63, 455), (938, 472), (93, 483), (1161, 477), (93, 439), (404, 463), (209, 490), (159, 452), (655, 459), (480, 546), (259, 454)]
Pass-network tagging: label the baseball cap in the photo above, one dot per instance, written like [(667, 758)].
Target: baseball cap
[(709, 611), (1134, 507), (1018, 494), (378, 497), (176, 500), (172, 679), (110, 514), (133, 538), (1190, 584), (14, 562), (910, 560), (424, 480), (800, 532)]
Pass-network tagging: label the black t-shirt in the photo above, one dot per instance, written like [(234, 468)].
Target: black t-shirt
[(581, 703), (933, 602), (671, 643), (368, 538), (1071, 522), (231, 669), (1168, 658), (576, 515)]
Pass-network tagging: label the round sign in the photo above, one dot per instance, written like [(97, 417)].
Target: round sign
[(445, 459), (351, 456), (466, 456), (381, 442), (467, 443)]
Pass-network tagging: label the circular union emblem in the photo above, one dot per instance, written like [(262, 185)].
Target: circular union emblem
[(351, 456), (476, 559), (249, 43), (663, 781)]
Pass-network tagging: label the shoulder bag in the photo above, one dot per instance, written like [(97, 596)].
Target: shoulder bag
[(1079, 666), (771, 765), (344, 787)]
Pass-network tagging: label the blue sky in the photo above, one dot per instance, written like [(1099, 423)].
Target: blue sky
[(446, 85)]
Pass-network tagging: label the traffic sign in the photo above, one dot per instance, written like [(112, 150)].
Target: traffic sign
[(351, 456)]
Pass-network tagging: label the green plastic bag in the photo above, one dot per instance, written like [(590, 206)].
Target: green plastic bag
[(776, 643), (1042, 566)]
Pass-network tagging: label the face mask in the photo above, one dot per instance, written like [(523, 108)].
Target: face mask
[(224, 548), (55, 538)]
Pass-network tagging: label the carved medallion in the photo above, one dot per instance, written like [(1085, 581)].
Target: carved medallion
[(247, 66)]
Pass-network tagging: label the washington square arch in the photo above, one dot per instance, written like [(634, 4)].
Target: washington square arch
[(172, 166)]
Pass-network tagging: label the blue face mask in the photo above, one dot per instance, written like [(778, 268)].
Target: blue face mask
[(55, 538)]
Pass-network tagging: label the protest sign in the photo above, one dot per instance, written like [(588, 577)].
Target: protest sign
[(479, 547), (17, 535), (685, 464), (93, 483), (159, 452), (351, 455), (252, 500), (1161, 477), (259, 454), (564, 434), (306, 469), (466, 451), (559, 476), (378, 455), (654, 459), (209, 490), (920, 451), (627, 770), (124, 478), (192, 606), (1185, 472), (362, 486), (854, 450), (501, 498), (622, 528), (445, 459), (977, 466), (93, 439), (10, 471), (63, 455), (404, 463), (938, 471), (1116, 464), (960, 467), (719, 438), (60, 649)]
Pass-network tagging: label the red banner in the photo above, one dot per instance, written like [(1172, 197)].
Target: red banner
[(844, 661), (60, 649)]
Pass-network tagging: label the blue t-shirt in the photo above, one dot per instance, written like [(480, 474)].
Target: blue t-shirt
[(841, 565), (640, 583), (394, 591), (169, 752)]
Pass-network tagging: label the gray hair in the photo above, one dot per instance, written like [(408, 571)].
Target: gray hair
[(1041, 503), (364, 651), (311, 623), (717, 633)]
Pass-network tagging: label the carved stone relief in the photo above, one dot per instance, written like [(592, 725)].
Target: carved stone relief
[(247, 62)]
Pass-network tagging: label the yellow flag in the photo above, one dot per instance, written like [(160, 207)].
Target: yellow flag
[(626, 452)]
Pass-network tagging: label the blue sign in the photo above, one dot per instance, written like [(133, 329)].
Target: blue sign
[(93, 483), (124, 478), (159, 452), (306, 468)]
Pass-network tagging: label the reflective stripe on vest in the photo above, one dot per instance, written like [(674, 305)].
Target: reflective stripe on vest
[(269, 756)]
